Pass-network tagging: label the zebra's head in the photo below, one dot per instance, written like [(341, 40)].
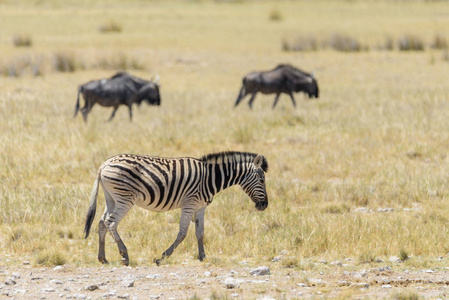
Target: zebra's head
[(254, 183)]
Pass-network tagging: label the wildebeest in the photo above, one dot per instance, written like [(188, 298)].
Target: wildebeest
[(120, 89), (282, 79)]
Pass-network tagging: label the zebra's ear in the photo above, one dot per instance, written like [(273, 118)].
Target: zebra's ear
[(258, 160)]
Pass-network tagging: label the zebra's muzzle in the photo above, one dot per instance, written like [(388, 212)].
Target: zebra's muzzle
[(261, 205)]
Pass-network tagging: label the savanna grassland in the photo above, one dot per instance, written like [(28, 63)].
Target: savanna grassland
[(361, 173)]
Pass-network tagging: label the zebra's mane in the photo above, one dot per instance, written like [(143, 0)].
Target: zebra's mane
[(234, 156)]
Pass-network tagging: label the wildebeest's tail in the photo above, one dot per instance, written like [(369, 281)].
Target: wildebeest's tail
[(93, 205), (241, 93), (77, 106)]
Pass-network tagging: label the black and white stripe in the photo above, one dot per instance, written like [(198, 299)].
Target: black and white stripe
[(162, 184)]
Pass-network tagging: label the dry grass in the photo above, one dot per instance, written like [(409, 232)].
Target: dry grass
[(376, 138)]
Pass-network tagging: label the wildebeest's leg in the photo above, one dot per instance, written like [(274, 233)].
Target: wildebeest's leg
[(199, 229), (186, 216), (293, 99), (276, 99), (113, 113), (250, 103), (130, 112), (240, 96)]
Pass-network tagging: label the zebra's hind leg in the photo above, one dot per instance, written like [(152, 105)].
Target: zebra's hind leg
[(112, 223), (186, 216), (112, 219), (102, 230), (199, 230)]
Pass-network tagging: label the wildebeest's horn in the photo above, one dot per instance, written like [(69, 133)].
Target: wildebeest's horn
[(313, 74), (157, 78)]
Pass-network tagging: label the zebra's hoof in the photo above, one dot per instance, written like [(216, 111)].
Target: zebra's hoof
[(158, 261)]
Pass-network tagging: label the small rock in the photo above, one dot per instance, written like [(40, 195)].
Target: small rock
[(360, 274), (128, 283), (317, 282), (386, 286), (323, 261), (301, 284), (125, 296), (10, 281), (360, 285), (386, 209), (57, 268), (91, 287), (76, 296), (48, 290), (109, 294), (154, 276), (383, 269), (361, 210), (234, 295), (394, 259), (336, 263), (430, 271), (260, 271), (378, 260), (207, 274), (56, 281), (277, 259), (26, 263), (231, 283), (16, 275)]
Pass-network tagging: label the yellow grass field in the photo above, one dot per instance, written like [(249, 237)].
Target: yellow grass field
[(360, 173)]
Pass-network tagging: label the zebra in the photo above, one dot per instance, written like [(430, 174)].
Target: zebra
[(162, 184)]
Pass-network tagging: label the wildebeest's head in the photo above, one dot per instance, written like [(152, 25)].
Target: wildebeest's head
[(308, 85), (150, 94)]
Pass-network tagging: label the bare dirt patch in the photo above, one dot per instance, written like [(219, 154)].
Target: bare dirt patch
[(207, 281)]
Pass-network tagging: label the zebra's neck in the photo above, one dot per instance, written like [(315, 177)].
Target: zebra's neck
[(226, 169)]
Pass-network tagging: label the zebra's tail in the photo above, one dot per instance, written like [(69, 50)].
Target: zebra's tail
[(77, 106), (93, 206)]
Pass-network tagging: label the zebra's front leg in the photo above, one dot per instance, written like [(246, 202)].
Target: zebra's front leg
[(199, 230), (186, 216)]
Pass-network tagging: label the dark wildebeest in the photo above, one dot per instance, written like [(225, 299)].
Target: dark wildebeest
[(120, 89), (282, 79)]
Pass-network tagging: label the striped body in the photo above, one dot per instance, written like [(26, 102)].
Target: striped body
[(162, 184)]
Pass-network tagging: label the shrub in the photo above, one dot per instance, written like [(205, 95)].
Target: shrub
[(389, 44), (51, 258), (64, 62), (120, 62), (410, 43), (22, 40), (275, 15), (406, 295), (439, 42), (302, 43), (341, 42), (403, 255), (110, 26), (21, 66)]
